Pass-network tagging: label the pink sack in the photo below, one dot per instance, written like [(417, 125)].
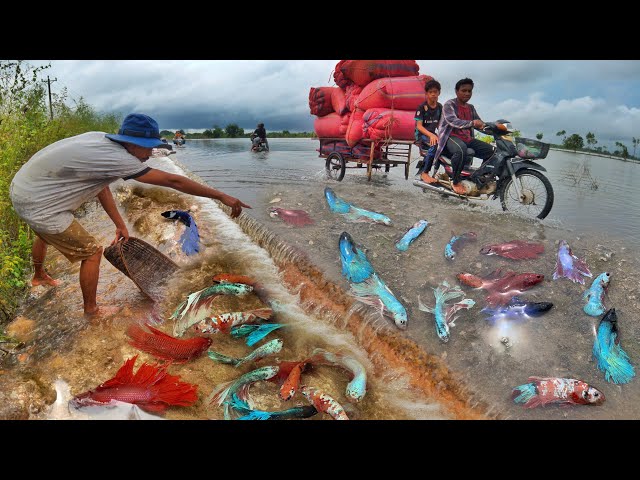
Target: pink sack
[(402, 93), (338, 101), (328, 126), (354, 130), (386, 124), (320, 100), (361, 72)]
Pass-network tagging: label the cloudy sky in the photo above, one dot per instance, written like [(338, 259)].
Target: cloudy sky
[(579, 96)]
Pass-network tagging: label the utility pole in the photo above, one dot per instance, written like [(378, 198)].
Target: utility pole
[(49, 86)]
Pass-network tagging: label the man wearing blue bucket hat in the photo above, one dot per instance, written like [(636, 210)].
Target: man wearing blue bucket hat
[(58, 179)]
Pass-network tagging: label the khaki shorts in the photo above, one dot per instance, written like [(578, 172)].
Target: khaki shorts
[(75, 242)]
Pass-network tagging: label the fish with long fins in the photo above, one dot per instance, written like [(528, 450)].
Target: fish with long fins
[(444, 314), (351, 212), (611, 358), (595, 295), (515, 249), (541, 391), (451, 249), (190, 239), (243, 408), (570, 266)]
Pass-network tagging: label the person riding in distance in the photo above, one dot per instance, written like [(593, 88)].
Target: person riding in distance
[(427, 118), (259, 135), (456, 129), (58, 179)]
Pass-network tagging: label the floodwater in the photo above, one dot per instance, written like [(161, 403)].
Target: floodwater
[(412, 375)]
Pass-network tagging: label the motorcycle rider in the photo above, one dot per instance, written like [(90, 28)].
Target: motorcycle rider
[(259, 136), (456, 132)]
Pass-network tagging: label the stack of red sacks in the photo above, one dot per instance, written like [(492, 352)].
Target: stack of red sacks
[(374, 99)]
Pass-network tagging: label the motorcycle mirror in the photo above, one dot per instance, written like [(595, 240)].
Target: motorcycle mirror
[(502, 127)]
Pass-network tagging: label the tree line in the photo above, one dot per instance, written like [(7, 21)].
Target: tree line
[(575, 142), (234, 131)]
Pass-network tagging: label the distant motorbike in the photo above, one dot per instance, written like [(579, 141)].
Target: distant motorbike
[(510, 174), (260, 146)]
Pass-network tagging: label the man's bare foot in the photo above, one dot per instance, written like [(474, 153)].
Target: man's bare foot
[(45, 280), (102, 312), (459, 188)]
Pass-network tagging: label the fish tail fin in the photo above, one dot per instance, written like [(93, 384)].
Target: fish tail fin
[(613, 362), (423, 307), (264, 313), (190, 239), (446, 292), (256, 415), (559, 271), (218, 357), (239, 405), (581, 267), (219, 393), (165, 389), (526, 394), (261, 332)]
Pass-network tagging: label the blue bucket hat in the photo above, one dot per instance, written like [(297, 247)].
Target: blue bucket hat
[(139, 129)]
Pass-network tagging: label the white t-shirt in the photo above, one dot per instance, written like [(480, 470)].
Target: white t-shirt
[(62, 176)]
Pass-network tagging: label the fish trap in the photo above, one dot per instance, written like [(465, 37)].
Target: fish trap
[(146, 266)]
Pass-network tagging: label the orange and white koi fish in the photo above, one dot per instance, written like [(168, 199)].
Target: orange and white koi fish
[(324, 402)]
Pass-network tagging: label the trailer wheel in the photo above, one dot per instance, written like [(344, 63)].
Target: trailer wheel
[(335, 166)]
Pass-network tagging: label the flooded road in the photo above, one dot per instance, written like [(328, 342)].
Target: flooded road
[(412, 374)]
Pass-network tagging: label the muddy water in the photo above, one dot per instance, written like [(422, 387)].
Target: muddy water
[(61, 345), (411, 373), (556, 344)]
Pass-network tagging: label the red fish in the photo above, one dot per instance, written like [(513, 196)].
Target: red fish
[(164, 346), (515, 249), (298, 218), (292, 382), (501, 286), (258, 289), (543, 391), (151, 388)]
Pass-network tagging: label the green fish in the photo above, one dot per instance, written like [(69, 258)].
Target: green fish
[(269, 348)]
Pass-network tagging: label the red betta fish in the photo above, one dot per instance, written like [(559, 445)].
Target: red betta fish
[(298, 218), (501, 286), (151, 389), (515, 249), (164, 346)]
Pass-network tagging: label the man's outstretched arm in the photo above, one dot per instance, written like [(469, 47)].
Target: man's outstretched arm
[(186, 185)]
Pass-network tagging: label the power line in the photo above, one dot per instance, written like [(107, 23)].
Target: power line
[(49, 86)]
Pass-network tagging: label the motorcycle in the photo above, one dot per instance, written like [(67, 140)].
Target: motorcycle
[(509, 174), (261, 146)]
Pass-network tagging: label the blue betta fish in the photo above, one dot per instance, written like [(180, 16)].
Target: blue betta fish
[(243, 408), (595, 295), (351, 212), (612, 360), (414, 232), (190, 239), (254, 333), (517, 309), (457, 241), (355, 265), (444, 315)]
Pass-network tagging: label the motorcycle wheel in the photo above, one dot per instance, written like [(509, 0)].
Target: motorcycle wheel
[(336, 166), (537, 194)]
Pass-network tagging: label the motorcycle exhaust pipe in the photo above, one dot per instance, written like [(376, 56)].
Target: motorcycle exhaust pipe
[(421, 184)]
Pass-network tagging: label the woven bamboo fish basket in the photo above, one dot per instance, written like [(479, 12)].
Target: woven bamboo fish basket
[(146, 266)]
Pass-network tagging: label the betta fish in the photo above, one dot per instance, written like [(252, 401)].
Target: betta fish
[(351, 212), (501, 286), (324, 402), (515, 249), (355, 265), (248, 413), (289, 378), (517, 308), (612, 359), (297, 218), (570, 266), (224, 322), (595, 295), (543, 391), (357, 386), (414, 232), (269, 348), (164, 346), (457, 241), (151, 388), (444, 316), (254, 333), (190, 239)]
